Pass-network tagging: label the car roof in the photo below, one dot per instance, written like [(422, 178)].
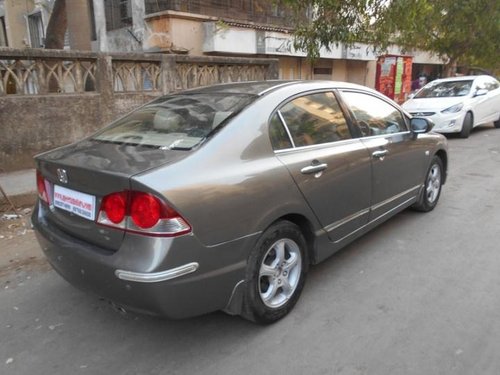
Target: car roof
[(261, 88)]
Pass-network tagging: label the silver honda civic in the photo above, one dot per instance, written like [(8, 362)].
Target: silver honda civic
[(221, 197)]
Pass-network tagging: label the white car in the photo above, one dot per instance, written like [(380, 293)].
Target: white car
[(458, 104)]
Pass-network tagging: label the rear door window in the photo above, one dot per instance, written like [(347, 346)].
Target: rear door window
[(314, 119), (491, 84), (277, 132)]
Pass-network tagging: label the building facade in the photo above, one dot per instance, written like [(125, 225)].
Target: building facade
[(244, 28), (23, 23), (248, 28)]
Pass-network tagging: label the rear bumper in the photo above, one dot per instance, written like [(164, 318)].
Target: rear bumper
[(176, 278)]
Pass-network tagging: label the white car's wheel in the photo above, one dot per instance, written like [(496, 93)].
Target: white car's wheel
[(466, 125)]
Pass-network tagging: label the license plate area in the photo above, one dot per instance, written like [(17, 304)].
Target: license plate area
[(75, 202)]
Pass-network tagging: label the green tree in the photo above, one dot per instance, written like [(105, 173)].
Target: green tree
[(465, 32), (324, 23)]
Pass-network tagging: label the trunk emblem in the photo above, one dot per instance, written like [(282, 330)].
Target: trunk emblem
[(62, 176)]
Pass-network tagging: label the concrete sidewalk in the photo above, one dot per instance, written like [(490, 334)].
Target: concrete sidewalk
[(20, 187)]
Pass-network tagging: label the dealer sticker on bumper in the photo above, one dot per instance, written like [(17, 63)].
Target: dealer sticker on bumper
[(80, 204)]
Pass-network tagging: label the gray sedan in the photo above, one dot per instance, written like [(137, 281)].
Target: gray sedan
[(220, 198)]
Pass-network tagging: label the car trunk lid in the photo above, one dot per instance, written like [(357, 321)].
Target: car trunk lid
[(80, 175)]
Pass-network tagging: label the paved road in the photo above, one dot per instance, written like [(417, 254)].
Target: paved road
[(419, 295)]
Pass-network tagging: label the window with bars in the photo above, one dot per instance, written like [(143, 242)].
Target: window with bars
[(36, 30), (274, 12), (118, 14), (3, 33), (190, 6)]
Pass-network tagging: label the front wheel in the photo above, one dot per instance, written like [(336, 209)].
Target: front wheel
[(276, 273), (432, 187), (466, 125)]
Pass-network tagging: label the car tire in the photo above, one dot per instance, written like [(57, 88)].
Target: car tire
[(431, 190), (497, 123), (276, 273), (466, 125)]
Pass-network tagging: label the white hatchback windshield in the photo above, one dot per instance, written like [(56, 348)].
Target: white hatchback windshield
[(445, 89), (175, 122)]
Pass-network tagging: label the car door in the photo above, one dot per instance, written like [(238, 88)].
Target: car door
[(312, 138), (398, 168), (479, 102), (487, 106)]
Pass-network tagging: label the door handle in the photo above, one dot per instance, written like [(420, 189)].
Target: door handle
[(314, 168), (380, 154)]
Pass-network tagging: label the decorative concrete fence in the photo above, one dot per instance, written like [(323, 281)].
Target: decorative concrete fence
[(50, 98)]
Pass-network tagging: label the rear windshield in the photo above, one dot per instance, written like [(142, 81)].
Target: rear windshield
[(445, 89), (177, 121)]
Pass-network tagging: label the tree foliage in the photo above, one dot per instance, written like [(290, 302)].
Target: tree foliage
[(324, 23), (458, 31)]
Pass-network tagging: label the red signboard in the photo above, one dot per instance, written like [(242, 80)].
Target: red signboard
[(393, 77)]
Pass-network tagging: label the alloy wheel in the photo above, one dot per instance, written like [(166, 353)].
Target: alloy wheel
[(433, 185), (279, 273)]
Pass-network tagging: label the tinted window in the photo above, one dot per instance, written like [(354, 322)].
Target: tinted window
[(373, 115), (278, 135), (175, 122), (445, 89), (491, 84), (315, 119)]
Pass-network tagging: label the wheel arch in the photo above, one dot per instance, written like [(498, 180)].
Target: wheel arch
[(236, 304), (441, 154), (306, 227)]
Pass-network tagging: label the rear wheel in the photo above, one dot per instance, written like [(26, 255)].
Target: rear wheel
[(466, 126), (276, 273), (432, 187)]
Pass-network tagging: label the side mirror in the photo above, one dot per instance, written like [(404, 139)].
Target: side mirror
[(412, 95), (419, 125), (480, 92)]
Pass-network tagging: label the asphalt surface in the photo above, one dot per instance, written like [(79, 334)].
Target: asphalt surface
[(418, 295)]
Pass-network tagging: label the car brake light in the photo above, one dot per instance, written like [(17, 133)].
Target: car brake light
[(144, 210), (40, 184), (114, 206), (143, 213)]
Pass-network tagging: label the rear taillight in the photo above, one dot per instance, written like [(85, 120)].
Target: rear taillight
[(114, 207), (140, 212), (144, 210), (42, 189)]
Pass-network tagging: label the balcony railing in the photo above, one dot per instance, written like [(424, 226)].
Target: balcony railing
[(266, 12), (38, 72)]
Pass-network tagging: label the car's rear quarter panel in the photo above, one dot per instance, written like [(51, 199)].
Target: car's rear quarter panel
[(233, 186)]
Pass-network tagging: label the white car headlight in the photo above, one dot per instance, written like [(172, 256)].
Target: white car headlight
[(454, 108)]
